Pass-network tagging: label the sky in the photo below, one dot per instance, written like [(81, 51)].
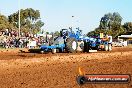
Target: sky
[(57, 14)]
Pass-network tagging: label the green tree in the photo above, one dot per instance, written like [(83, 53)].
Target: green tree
[(4, 24), (56, 33), (29, 19), (128, 26), (109, 20), (47, 32), (91, 33), (110, 24)]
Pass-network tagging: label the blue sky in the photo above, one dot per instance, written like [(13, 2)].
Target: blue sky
[(57, 14)]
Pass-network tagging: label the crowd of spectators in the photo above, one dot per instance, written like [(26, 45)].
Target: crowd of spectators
[(10, 39)]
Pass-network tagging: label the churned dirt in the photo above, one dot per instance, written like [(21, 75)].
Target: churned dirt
[(32, 70)]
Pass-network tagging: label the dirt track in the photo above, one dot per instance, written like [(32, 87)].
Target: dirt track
[(28, 70)]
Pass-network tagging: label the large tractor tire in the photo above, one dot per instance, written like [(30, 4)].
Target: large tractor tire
[(71, 45), (109, 47), (106, 47), (80, 47), (86, 47)]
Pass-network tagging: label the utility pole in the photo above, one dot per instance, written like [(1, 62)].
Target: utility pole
[(19, 31)]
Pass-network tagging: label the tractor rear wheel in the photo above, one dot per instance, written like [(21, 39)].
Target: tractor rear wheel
[(80, 47), (86, 46), (71, 45)]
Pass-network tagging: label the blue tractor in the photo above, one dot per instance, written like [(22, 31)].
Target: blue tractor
[(97, 43), (68, 41)]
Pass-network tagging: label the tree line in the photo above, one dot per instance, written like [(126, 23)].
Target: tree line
[(110, 24), (30, 21)]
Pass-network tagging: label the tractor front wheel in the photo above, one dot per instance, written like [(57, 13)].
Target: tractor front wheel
[(71, 45)]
